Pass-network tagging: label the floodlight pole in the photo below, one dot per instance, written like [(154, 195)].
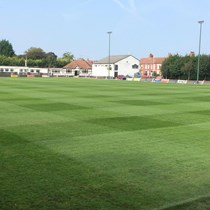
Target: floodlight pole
[(109, 33), (26, 61), (198, 69)]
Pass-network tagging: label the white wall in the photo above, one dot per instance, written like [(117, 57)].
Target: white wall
[(58, 72), (38, 70), (124, 68), (101, 70), (25, 69), (14, 69)]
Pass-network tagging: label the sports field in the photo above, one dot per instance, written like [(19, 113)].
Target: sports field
[(99, 144)]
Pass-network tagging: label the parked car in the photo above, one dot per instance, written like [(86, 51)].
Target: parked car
[(122, 77), (128, 76)]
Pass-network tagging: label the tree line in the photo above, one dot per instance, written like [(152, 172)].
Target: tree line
[(174, 67), (33, 57), (185, 67)]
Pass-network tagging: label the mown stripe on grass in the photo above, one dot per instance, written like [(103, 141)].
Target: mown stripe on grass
[(48, 107), (8, 138), (133, 123), (201, 112), (60, 130), (139, 102)]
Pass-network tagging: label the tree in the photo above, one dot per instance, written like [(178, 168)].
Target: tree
[(6, 48), (61, 63), (35, 53), (68, 57), (50, 59), (171, 67), (177, 67), (188, 68), (204, 66)]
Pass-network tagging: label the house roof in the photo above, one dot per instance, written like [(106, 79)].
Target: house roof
[(113, 59), (152, 60), (81, 63)]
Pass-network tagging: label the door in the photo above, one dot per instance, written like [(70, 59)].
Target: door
[(76, 73)]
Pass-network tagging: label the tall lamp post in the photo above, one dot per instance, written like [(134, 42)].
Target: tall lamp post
[(198, 69), (109, 68)]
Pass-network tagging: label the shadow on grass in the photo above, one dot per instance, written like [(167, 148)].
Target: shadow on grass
[(32, 177), (201, 203)]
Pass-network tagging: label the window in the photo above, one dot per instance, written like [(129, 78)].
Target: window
[(147, 66), (116, 67), (135, 66), (84, 71)]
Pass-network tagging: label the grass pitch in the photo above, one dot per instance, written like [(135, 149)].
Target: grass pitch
[(100, 144)]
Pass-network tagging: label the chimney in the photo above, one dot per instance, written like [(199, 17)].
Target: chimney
[(191, 54), (150, 55)]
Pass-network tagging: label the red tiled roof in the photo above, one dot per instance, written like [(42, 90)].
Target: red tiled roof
[(90, 62), (152, 60), (81, 63)]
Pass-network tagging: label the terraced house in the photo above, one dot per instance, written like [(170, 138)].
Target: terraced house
[(151, 66)]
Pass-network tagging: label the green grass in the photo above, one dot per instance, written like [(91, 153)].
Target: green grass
[(98, 144)]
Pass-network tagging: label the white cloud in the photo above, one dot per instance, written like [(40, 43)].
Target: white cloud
[(120, 4), (129, 7)]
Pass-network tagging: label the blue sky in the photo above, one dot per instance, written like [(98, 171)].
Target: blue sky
[(139, 27)]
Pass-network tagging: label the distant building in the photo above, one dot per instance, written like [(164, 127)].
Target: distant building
[(7, 71), (22, 70), (151, 66), (191, 54), (119, 65), (80, 67)]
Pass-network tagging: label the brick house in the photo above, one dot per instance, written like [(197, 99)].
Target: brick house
[(151, 65)]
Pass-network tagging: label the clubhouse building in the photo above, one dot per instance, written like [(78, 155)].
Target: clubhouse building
[(115, 65)]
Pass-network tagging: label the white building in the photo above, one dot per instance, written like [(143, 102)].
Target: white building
[(119, 65), (80, 67), (24, 70)]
